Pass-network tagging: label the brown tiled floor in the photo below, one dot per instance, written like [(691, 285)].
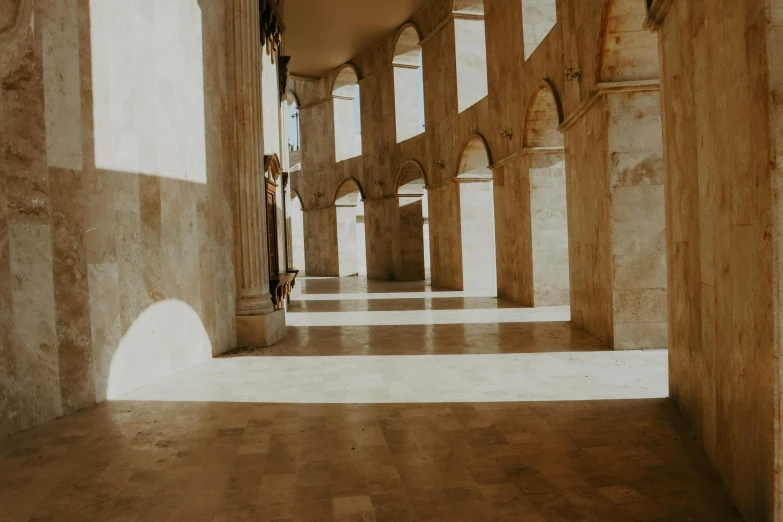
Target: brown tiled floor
[(622, 460), (160, 461)]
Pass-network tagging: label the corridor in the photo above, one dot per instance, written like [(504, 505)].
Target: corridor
[(385, 402)]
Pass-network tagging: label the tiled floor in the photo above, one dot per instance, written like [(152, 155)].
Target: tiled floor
[(162, 459)]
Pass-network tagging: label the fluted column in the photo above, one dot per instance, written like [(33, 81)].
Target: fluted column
[(254, 304)]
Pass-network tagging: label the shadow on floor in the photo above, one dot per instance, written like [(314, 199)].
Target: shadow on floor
[(603, 461)]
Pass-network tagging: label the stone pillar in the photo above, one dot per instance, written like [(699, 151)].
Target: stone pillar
[(616, 216), (380, 238), (320, 242), (395, 237), (258, 323), (411, 229), (638, 220)]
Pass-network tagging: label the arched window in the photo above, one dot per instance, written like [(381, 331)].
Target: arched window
[(471, 50), (538, 18), (294, 136), (408, 85), (347, 115), (542, 119)]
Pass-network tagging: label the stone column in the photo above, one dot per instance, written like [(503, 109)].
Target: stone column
[(411, 230), (616, 216), (258, 323), (320, 242)]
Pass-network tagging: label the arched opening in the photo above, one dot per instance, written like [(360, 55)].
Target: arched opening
[(477, 217), (413, 223), (471, 51), (296, 232), (347, 115), (548, 207), (408, 85), (538, 18), (294, 135), (542, 119), (351, 250)]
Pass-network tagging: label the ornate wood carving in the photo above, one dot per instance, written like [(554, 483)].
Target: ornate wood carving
[(282, 75), (271, 232), (272, 27), (272, 166)]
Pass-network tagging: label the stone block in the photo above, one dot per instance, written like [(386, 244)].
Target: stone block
[(260, 330)]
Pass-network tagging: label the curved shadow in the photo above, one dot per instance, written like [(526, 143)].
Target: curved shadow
[(166, 338)]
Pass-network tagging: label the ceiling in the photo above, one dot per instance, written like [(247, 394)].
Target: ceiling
[(323, 34)]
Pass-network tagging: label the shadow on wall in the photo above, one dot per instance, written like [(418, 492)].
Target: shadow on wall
[(166, 338)]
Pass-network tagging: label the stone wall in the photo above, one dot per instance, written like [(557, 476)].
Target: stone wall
[(499, 119), (720, 65), (320, 242), (589, 223), (445, 236), (115, 215)]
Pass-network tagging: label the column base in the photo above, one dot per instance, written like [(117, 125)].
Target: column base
[(260, 330)]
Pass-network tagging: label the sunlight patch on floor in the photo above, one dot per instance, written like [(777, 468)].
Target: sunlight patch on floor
[(427, 294), (566, 376), (424, 317)]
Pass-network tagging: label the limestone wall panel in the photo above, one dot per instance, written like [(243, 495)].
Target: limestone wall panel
[(100, 257), (721, 237)]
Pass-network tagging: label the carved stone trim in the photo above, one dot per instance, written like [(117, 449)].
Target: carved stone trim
[(656, 13), (524, 152), (313, 104), (471, 179), (511, 157), (602, 89)]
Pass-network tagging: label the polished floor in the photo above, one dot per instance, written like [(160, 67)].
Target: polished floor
[(381, 420)]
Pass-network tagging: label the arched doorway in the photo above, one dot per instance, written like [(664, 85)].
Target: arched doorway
[(548, 207), (477, 217), (349, 211), (413, 223)]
